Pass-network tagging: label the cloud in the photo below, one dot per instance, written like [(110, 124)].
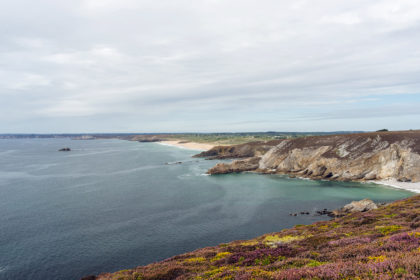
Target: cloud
[(72, 108), (22, 81), (208, 65), (346, 18)]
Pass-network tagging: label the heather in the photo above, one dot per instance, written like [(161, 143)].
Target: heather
[(379, 244)]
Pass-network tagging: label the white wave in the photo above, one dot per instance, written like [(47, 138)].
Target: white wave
[(3, 269), (408, 186)]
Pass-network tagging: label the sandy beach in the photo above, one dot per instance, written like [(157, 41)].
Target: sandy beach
[(188, 145), (413, 187)]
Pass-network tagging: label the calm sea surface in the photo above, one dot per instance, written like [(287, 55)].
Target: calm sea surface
[(109, 205)]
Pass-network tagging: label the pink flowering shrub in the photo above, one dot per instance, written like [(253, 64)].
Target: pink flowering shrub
[(379, 244)]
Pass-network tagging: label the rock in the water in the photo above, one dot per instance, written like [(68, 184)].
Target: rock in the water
[(355, 206), (66, 149), (90, 277)]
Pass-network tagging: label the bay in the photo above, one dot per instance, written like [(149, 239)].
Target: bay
[(111, 204)]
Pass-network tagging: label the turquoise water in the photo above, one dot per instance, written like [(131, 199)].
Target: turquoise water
[(109, 205)]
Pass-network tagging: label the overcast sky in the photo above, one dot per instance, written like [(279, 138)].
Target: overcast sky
[(209, 65)]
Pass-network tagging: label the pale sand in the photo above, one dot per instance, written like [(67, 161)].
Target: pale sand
[(188, 145), (413, 187)]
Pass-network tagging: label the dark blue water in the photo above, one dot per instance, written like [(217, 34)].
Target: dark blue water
[(109, 205)]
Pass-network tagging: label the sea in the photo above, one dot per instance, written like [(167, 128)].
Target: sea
[(110, 205)]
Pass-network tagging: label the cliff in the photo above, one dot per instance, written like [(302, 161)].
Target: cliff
[(359, 157), (378, 244)]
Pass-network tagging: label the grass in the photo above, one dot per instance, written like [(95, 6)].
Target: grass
[(236, 138)]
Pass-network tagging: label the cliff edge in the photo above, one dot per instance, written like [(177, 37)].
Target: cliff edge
[(358, 157), (377, 244)]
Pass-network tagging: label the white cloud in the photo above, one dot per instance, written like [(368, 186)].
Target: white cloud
[(71, 108), (139, 63), (22, 81), (347, 18)]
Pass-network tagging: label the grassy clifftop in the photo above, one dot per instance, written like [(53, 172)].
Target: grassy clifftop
[(379, 244)]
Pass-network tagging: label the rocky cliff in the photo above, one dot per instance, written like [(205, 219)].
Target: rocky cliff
[(359, 157)]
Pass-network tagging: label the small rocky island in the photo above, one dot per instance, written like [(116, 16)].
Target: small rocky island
[(66, 149)]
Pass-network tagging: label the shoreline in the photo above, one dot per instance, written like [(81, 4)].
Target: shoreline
[(393, 183), (408, 186), (187, 145)]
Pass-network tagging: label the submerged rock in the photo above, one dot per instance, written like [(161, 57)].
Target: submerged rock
[(172, 163)]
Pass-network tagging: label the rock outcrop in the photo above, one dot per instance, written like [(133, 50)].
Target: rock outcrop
[(66, 149), (236, 166), (356, 157), (355, 206)]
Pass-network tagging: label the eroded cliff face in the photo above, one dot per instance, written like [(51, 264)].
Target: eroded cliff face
[(364, 156)]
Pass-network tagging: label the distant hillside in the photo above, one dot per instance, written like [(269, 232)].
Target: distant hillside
[(224, 138)]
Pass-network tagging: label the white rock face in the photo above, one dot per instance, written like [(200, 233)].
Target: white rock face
[(359, 157), (355, 206)]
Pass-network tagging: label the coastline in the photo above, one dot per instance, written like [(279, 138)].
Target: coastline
[(187, 145), (393, 183), (408, 186)]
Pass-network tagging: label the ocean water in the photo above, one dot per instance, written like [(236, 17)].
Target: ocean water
[(109, 205)]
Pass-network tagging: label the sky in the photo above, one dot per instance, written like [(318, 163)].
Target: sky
[(86, 66)]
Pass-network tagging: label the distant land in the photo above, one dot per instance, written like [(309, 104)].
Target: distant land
[(216, 137)]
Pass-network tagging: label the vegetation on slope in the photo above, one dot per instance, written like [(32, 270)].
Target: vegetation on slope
[(233, 138), (379, 244)]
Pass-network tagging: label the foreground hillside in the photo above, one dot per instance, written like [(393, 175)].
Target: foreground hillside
[(379, 244), (361, 156)]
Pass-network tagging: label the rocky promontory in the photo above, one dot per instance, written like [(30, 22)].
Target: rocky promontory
[(356, 157)]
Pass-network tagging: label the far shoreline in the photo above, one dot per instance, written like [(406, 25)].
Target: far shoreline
[(187, 145)]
